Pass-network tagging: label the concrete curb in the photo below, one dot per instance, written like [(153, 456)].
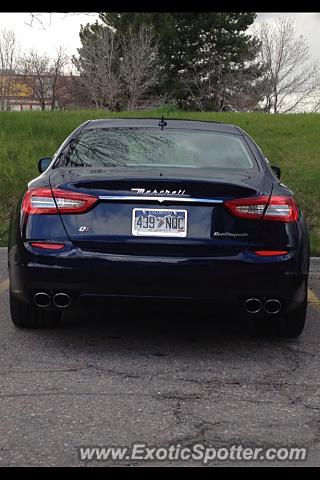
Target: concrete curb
[(315, 264)]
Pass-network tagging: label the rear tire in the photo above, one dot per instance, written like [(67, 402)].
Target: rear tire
[(24, 315), (289, 325)]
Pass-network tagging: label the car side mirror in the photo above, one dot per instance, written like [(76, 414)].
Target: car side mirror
[(43, 164), (276, 170)]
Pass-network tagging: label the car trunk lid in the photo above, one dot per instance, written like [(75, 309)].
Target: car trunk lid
[(211, 228)]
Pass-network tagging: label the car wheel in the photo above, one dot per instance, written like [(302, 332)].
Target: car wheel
[(24, 315), (289, 325)]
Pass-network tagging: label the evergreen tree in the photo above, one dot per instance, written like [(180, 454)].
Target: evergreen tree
[(200, 54)]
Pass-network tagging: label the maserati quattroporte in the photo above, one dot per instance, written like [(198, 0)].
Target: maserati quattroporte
[(166, 210)]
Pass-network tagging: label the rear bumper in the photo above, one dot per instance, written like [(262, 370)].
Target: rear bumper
[(229, 279)]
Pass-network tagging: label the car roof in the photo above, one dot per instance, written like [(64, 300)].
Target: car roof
[(171, 123)]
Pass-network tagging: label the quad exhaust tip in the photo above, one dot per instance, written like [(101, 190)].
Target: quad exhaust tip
[(42, 299), (61, 300), (252, 305), (272, 306)]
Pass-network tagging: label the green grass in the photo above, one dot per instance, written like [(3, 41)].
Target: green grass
[(290, 141)]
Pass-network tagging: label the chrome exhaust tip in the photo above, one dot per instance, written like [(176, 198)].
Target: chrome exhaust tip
[(272, 306), (42, 299), (61, 300), (252, 305)]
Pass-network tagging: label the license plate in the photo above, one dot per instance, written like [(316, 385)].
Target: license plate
[(159, 223)]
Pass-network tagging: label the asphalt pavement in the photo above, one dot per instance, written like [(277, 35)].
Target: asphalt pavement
[(110, 377)]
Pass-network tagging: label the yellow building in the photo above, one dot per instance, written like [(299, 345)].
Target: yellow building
[(17, 93)]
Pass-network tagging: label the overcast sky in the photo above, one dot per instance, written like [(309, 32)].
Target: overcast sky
[(307, 24), (55, 30), (64, 29)]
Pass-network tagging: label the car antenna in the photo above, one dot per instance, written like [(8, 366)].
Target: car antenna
[(162, 123)]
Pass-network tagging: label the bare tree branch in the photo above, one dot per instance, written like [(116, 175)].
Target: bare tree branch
[(42, 75), (291, 80), (44, 20), (98, 66), (9, 51), (37, 18), (138, 64)]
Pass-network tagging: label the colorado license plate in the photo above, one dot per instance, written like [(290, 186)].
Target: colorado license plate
[(161, 222)]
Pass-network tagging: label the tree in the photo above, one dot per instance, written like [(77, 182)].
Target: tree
[(56, 71), (118, 69), (78, 94), (194, 47), (9, 51), (98, 65), (244, 90), (138, 64), (238, 90), (291, 80), (42, 75)]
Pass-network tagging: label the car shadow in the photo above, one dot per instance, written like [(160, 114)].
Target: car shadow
[(137, 339), (162, 328)]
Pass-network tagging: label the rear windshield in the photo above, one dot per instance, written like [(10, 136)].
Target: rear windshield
[(134, 147)]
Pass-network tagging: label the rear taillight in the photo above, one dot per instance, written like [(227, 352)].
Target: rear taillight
[(279, 208), (45, 201)]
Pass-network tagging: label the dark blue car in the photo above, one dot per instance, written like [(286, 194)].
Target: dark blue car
[(136, 209)]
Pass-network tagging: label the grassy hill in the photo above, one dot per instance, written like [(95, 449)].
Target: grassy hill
[(290, 141)]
